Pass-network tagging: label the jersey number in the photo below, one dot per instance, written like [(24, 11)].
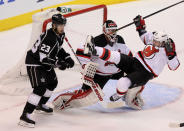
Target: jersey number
[(45, 48)]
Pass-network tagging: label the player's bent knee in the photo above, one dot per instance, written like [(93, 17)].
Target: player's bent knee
[(123, 84), (52, 86), (39, 90)]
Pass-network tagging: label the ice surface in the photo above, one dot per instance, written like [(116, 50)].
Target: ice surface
[(13, 45)]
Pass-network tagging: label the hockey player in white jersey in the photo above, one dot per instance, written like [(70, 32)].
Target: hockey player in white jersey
[(145, 65), (106, 70)]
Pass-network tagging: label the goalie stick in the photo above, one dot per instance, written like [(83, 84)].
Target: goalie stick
[(93, 87), (151, 14)]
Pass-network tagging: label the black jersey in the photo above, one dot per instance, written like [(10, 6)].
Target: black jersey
[(101, 40), (47, 49)]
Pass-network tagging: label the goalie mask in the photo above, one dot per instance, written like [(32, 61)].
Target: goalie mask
[(109, 29)]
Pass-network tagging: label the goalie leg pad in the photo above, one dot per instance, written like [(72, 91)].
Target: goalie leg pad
[(78, 98), (133, 98)]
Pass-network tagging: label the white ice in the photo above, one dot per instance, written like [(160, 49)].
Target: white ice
[(13, 44)]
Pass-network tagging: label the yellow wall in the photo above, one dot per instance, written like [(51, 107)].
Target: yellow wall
[(27, 17)]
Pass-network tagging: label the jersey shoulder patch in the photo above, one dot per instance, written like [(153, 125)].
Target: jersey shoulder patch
[(120, 39), (100, 40)]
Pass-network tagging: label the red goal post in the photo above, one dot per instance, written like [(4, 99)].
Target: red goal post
[(80, 12)]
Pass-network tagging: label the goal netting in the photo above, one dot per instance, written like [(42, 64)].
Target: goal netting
[(81, 21)]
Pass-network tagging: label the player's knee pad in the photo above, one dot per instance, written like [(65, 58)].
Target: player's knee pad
[(39, 90), (123, 84)]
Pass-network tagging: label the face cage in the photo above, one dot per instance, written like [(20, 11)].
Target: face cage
[(111, 34), (162, 44)]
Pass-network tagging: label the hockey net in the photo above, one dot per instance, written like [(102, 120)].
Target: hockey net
[(82, 21)]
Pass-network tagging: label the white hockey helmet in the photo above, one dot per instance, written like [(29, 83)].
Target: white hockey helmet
[(160, 36)]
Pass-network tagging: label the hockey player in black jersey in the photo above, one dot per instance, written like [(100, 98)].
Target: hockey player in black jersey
[(46, 54)]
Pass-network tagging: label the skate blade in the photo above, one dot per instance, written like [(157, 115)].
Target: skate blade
[(25, 124), (43, 112)]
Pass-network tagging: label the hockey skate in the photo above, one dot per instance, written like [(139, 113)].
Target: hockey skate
[(116, 97), (26, 121), (43, 109)]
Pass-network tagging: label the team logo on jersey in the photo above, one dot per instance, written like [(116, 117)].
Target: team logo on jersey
[(150, 51), (42, 80)]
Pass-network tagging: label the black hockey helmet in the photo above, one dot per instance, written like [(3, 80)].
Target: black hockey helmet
[(109, 29), (58, 19)]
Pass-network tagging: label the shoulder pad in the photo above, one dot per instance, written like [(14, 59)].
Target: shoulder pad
[(100, 40), (120, 40)]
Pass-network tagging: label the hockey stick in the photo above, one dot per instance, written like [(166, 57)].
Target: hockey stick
[(93, 87), (176, 125), (66, 39), (151, 14)]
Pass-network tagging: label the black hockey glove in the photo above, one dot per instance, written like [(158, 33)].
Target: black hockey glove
[(170, 49), (62, 65), (70, 62), (139, 23)]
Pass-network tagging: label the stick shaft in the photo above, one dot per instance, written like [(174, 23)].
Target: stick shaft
[(66, 39), (151, 14)]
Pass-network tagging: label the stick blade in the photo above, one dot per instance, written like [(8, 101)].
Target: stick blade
[(174, 125)]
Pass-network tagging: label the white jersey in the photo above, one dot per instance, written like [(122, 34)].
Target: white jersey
[(105, 68), (154, 59)]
